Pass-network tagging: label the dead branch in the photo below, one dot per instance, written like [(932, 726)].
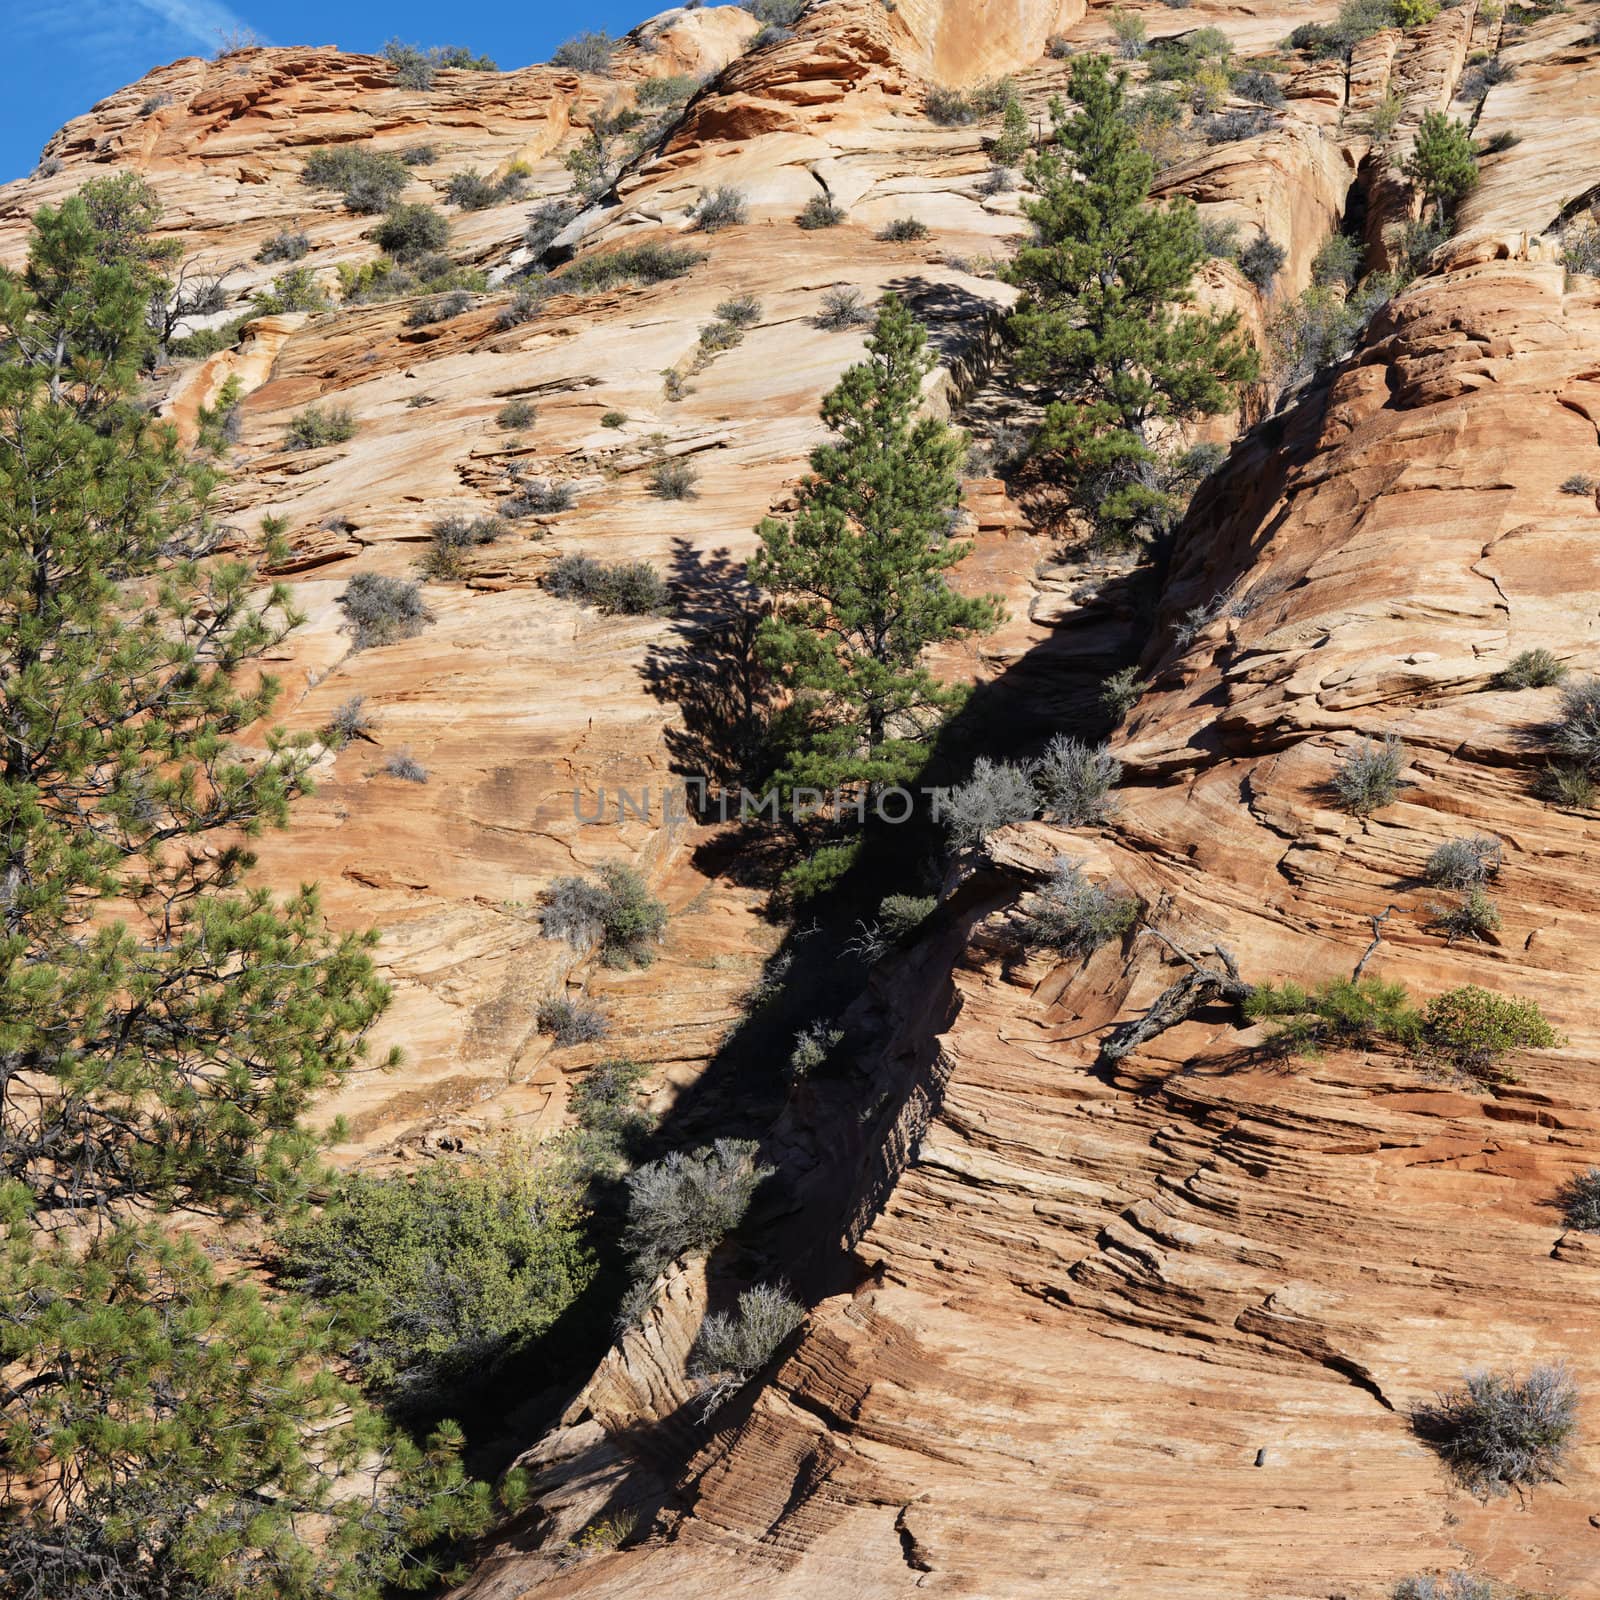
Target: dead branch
[(1179, 1001)]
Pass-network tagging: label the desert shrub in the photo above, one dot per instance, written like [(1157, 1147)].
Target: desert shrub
[(1347, 1013), (1532, 669), (441, 1275), (538, 498), (902, 914), (903, 230), (742, 311), (523, 306), (821, 212), (1369, 776), (1568, 785), (1338, 261), (719, 208), (1579, 1199), (1577, 732), (611, 1122), (1121, 692), (1262, 260), (587, 52), (208, 341), (451, 537), (1579, 483), (843, 308), (730, 1348), (285, 246), (1058, 47), (419, 155), (1465, 863), (1201, 54), (671, 91), (644, 263), (413, 68), (1453, 1586), (1474, 916), (1261, 87), (775, 13), (154, 103), (1480, 78), (1497, 143), (687, 1203), (613, 419), (1219, 237), (633, 588), (517, 414), (997, 793), (381, 610), (997, 180), (1229, 127), (440, 308), (1472, 1031), (545, 223), (1580, 243), (812, 1047), (673, 480), (374, 282), (618, 912), (770, 36), (402, 764), (294, 290), (410, 231), (369, 180), (1320, 328), (949, 107), (1075, 915), (474, 192), (1500, 1431), (716, 337), (571, 1022), (1075, 781), (1127, 28), (349, 721), (313, 428)]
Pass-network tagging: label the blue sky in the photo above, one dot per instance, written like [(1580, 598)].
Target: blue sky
[(64, 55)]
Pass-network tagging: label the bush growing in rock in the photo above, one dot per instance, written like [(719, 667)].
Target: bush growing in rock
[(405, 766), (1500, 1431), (611, 1122), (546, 222), (1072, 914), (350, 720), (812, 1047), (1465, 863), (614, 419), (1075, 781), (731, 1348), (1262, 260), (1127, 27), (410, 231), (571, 1022), (632, 588), (1230, 127), (294, 290), (314, 428), (473, 192), (902, 914), (285, 246), (687, 1203), (438, 308), (369, 180), (419, 155), (1338, 261), (523, 306), (1579, 1199), (439, 1276), (1453, 1586), (821, 212), (720, 208), (539, 499), (1121, 692), (1578, 730), (1580, 483), (517, 414), (843, 308), (1475, 916), (587, 52), (644, 263), (903, 230), (949, 107), (671, 91), (452, 537), (741, 311), (997, 793), (618, 911), (1369, 776), (1261, 87), (1472, 1031), (382, 610), (673, 480)]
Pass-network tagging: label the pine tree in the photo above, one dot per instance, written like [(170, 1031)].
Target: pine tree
[(160, 1026), (1012, 145), (1441, 163), (858, 586), (1102, 325)]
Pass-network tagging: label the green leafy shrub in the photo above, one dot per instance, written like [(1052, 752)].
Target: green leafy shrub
[(949, 107), (1532, 669), (1127, 28), (382, 610), (374, 282), (812, 1047), (1474, 916), (611, 1124), (613, 419), (1260, 87), (619, 912), (1472, 1031), (1121, 692), (1369, 776), (571, 1022), (436, 1278), (587, 52), (285, 246), (632, 588), (1072, 914), (1344, 1013), (903, 230), (902, 914), (669, 91), (1442, 164), (686, 1204), (1338, 261), (546, 223), (1076, 781), (294, 290), (1500, 1431), (370, 181), (410, 231), (1569, 785), (314, 428), (644, 263), (821, 211), (997, 793)]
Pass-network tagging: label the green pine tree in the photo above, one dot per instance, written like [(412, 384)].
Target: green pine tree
[(1012, 145), (1103, 326), (161, 1027), (858, 586), (1442, 164)]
